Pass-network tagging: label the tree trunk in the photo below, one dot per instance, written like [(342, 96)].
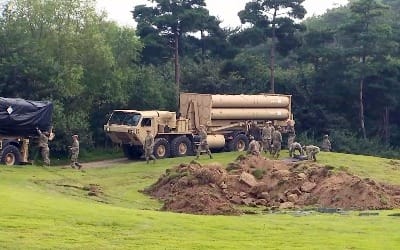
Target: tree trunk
[(203, 48), (272, 56), (362, 120), (177, 68), (386, 129)]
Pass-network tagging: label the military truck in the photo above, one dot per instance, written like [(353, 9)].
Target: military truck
[(19, 119), (228, 119)]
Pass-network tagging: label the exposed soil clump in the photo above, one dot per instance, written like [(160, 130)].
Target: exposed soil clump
[(255, 181), (94, 190)]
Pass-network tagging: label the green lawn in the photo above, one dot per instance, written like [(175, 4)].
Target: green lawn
[(45, 208)]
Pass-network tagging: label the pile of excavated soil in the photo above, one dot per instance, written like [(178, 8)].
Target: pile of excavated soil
[(255, 181)]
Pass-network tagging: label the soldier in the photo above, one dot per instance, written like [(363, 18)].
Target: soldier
[(267, 132), (148, 147), (290, 132), (44, 138), (293, 147), (254, 147), (277, 142), (311, 152), (255, 131), (203, 142), (326, 144), (75, 152)]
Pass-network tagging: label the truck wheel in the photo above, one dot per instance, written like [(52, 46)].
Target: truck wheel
[(131, 152), (239, 143), (10, 155), (161, 148), (181, 146)]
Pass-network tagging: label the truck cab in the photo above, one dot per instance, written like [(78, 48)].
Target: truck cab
[(128, 128)]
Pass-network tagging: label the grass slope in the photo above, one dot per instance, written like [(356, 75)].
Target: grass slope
[(41, 208)]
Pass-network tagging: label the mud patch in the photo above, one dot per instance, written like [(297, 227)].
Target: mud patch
[(74, 189), (258, 182)]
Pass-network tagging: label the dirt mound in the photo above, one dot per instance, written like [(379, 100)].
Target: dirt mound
[(255, 181)]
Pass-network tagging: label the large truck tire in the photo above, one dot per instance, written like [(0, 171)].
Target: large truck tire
[(239, 143), (161, 148), (181, 146), (10, 155), (132, 152)]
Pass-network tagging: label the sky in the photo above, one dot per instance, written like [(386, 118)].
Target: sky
[(225, 10)]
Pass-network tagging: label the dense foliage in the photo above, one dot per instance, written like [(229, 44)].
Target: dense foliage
[(342, 68)]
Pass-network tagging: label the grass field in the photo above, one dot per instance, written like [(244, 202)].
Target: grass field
[(46, 208)]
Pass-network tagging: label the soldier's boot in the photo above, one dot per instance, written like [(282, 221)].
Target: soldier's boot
[(79, 165)]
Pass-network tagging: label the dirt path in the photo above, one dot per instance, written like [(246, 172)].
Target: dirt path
[(103, 164)]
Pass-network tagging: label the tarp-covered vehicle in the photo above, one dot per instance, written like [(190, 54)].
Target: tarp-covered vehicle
[(19, 119)]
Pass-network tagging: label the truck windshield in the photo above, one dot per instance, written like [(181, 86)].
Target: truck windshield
[(124, 118)]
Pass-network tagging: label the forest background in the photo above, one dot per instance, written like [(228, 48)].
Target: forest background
[(342, 68)]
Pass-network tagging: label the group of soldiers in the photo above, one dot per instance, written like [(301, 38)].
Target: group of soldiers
[(45, 137), (148, 145), (269, 139)]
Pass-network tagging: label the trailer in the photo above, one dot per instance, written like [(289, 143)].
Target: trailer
[(228, 119), (19, 119)]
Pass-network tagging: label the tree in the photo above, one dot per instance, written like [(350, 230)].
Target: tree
[(274, 19), (64, 51), (366, 42), (167, 22)]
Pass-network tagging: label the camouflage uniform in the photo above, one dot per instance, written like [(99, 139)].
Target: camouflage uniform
[(291, 134), (311, 152), (276, 142), (203, 146), (44, 146), (293, 147), (149, 147), (326, 144), (267, 132), (75, 152), (254, 147)]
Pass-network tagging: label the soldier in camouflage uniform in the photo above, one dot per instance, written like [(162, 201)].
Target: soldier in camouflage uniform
[(311, 152), (75, 152), (293, 147), (203, 143), (277, 142), (149, 147), (267, 132), (254, 147), (290, 132), (326, 144), (44, 146)]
